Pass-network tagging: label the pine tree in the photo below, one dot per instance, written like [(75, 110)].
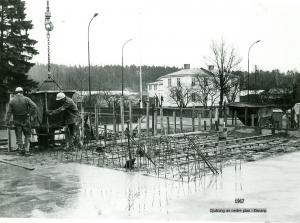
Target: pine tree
[(16, 47)]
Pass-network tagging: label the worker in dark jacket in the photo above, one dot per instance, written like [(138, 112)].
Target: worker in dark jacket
[(21, 108), (71, 118)]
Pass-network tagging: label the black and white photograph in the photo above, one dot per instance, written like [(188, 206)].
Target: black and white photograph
[(149, 110)]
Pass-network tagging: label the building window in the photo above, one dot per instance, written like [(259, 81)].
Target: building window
[(169, 82), (150, 87), (193, 97), (155, 87), (193, 82), (178, 81)]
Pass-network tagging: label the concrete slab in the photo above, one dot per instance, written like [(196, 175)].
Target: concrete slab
[(70, 190)]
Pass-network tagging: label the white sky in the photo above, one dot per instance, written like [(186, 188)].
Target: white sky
[(168, 32)]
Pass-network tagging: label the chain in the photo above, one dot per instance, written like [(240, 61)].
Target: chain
[(48, 41)]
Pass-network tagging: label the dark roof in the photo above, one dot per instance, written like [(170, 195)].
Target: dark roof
[(249, 105)]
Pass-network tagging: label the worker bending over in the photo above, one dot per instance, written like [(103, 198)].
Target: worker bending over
[(71, 119)]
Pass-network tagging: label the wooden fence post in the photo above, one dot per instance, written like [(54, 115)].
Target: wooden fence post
[(96, 122), (130, 119), (114, 121), (8, 139), (210, 119), (82, 120), (225, 115), (174, 118), (161, 113), (232, 117), (199, 121), (168, 125), (139, 127), (235, 118), (181, 124), (216, 125), (193, 119), (155, 121), (122, 117), (105, 134), (217, 114), (246, 115), (147, 118), (252, 119)]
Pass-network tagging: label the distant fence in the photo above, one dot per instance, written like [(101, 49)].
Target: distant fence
[(152, 121)]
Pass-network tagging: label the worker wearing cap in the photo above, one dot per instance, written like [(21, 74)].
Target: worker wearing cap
[(70, 116), (21, 108)]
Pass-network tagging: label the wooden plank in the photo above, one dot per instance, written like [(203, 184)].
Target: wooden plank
[(18, 165)]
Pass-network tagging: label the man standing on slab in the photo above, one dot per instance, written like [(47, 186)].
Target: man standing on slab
[(21, 108)]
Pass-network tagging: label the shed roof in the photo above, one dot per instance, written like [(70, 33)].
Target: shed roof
[(249, 105)]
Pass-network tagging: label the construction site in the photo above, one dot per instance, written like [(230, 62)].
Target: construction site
[(143, 160), (139, 159)]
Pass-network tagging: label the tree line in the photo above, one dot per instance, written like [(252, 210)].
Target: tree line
[(107, 77)]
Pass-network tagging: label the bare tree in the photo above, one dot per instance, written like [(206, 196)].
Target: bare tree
[(206, 91), (225, 59), (108, 97), (181, 95), (233, 91)]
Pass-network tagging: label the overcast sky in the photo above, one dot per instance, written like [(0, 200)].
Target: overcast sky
[(168, 32)]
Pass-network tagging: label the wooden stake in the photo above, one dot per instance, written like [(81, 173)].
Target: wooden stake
[(235, 118), (96, 122), (9, 139), (139, 127), (155, 121), (181, 124), (199, 121), (161, 113), (147, 119), (174, 118), (252, 119), (130, 119), (210, 119), (246, 115), (82, 120), (114, 120), (193, 119), (168, 125), (122, 117)]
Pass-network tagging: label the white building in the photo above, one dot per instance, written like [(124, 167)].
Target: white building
[(187, 78)]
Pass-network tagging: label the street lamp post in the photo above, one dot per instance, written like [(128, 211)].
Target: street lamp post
[(89, 57), (122, 98), (248, 62), (122, 65)]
